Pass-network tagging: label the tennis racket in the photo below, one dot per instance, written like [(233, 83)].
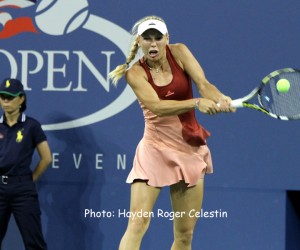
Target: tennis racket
[(273, 100)]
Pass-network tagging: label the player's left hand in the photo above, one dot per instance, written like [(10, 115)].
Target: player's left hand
[(225, 104)]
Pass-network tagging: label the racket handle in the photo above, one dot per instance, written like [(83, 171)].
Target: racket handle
[(237, 103)]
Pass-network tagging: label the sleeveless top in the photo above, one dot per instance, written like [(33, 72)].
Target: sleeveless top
[(173, 148), (180, 88)]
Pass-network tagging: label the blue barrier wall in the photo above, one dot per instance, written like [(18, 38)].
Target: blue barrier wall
[(93, 128)]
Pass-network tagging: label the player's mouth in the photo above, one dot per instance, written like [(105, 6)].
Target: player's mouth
[(153, 53)]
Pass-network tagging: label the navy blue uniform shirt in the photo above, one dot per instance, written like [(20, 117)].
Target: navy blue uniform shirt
[(17, 145)]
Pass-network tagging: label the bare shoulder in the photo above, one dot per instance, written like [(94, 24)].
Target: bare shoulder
[(180, 52), (135, 73), (178, 49)]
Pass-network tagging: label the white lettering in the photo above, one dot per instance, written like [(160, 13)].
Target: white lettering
[(133, 215), (121, 161), (82, 59), (77, 161), (51, 70), (25, 62), (57, 64), (55, 160), (98, 161), (208, 214), (12, 62), (169, 214), (78, 157), (98, 214)]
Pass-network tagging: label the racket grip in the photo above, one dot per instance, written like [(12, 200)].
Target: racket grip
[(238, 103)]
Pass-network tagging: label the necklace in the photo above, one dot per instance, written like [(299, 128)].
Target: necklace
[(156, 69)]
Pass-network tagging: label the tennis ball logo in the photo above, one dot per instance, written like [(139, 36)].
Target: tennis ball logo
[(4, 18), (283, 86), (59, 17)]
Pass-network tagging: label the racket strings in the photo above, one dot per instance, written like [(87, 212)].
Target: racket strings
[(279, 103)]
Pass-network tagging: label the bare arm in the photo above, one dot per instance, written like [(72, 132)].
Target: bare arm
[(206, 90), (45, 159), (136, 78)]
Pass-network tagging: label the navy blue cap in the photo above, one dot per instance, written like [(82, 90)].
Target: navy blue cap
[(11, 87)]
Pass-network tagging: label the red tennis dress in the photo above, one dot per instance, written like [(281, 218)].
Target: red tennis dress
[(173, 148)]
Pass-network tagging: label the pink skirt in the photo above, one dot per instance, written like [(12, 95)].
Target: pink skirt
[(163, 158)]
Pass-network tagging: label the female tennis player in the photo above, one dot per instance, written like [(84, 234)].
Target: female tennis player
[(173, 151)]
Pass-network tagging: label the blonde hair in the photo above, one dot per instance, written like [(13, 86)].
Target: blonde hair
[(120, 70)]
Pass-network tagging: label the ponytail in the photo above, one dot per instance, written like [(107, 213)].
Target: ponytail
[(120, 70)]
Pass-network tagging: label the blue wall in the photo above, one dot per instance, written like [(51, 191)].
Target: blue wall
[(93, 128)]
